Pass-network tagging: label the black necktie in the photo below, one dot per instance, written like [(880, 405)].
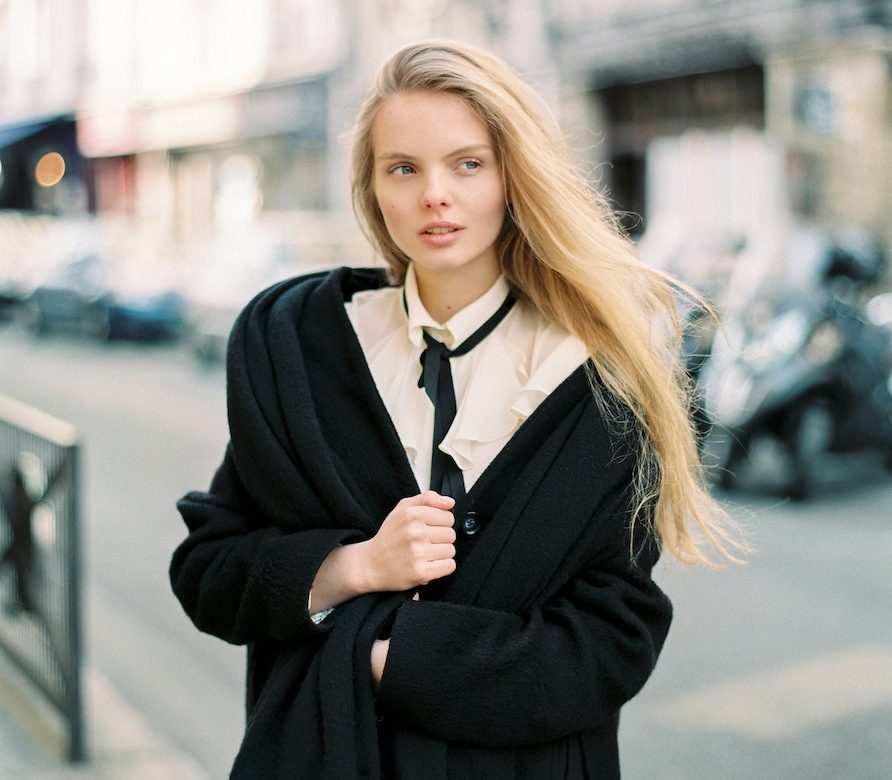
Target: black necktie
[(436, 379)]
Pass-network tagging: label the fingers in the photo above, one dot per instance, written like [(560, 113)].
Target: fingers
[(432, 516), (437, 569), (437, 552), (415, 543), (429, 498), (434, 499), (419, 514), (438, 561), (441, 534)]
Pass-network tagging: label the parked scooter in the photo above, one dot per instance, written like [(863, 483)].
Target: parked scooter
[(698, 334), (814, 376)]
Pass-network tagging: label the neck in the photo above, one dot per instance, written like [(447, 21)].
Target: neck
[(446, 293)]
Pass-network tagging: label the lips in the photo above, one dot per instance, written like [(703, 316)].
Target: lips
[(440, 228), (439, 235)]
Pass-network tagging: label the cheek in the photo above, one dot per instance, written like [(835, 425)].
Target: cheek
[(384, 204), (385, 200), (389, 212), (383, 197), (492, 203)]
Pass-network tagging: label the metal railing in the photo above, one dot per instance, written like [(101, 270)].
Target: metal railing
[(40, 588)]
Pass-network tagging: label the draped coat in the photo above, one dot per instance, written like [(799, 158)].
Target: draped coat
[(516, 666)]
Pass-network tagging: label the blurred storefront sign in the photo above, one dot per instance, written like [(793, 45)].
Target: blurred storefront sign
[(106, 134), (128, 132), (299, 108), (287, 108)]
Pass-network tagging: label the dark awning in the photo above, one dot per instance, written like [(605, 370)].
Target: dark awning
[(12, 134)]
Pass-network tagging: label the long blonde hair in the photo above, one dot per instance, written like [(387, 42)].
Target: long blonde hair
[(562, 249)]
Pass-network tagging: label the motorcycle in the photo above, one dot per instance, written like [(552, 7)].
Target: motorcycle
[(813, 376)]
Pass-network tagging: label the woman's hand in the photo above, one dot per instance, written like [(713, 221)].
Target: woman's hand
[(414, 545), (379, 658), (379, 655)]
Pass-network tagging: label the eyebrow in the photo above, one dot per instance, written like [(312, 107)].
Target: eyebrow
[(389, 156)]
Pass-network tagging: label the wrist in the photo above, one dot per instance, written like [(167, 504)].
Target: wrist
[(358, 568), (340, 578)]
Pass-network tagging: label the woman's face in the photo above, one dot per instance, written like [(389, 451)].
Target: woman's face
[(438, 185)]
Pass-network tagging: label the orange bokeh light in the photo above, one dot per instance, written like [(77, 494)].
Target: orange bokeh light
[(49, 169)]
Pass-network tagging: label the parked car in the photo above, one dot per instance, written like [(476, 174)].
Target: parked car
[(77, 288), (20, 232), (73, 295)]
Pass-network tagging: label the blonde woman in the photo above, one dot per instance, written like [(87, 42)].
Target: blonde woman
[(448, 482)]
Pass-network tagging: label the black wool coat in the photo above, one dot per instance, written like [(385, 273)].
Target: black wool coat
[(516, 667)]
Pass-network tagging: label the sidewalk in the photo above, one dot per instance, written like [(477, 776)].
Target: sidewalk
[(121, 745)]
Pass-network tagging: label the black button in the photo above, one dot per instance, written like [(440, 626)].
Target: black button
[(471, 523)]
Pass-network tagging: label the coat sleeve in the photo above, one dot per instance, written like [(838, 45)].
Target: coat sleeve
[(499, 679), (241, 578)]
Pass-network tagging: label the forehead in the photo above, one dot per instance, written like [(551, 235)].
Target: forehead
[(429, 121)]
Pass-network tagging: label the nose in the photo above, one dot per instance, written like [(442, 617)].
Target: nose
[(435, 192)]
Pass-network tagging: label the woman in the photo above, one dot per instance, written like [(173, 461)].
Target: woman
[(447, 484)]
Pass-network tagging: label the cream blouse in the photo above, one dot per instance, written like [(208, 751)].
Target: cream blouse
[(498, 384)]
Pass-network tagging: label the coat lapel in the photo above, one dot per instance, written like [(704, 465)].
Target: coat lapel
[(363, 444), (564, 456)]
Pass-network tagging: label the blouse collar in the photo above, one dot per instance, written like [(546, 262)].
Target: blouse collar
[(462, 324)]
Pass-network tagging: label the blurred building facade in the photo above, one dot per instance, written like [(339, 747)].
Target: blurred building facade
[(809, 80), (197, 117)]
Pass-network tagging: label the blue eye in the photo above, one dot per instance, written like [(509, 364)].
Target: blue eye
[(402, 170), (470, 165)]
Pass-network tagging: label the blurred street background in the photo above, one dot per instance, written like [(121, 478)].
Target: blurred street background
[(161, 161)]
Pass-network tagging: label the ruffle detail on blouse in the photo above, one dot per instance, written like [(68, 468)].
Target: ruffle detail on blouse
[(563, 357), (476, 437), (475, 429)]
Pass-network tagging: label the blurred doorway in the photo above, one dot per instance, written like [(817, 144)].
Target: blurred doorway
[(637, 113)]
